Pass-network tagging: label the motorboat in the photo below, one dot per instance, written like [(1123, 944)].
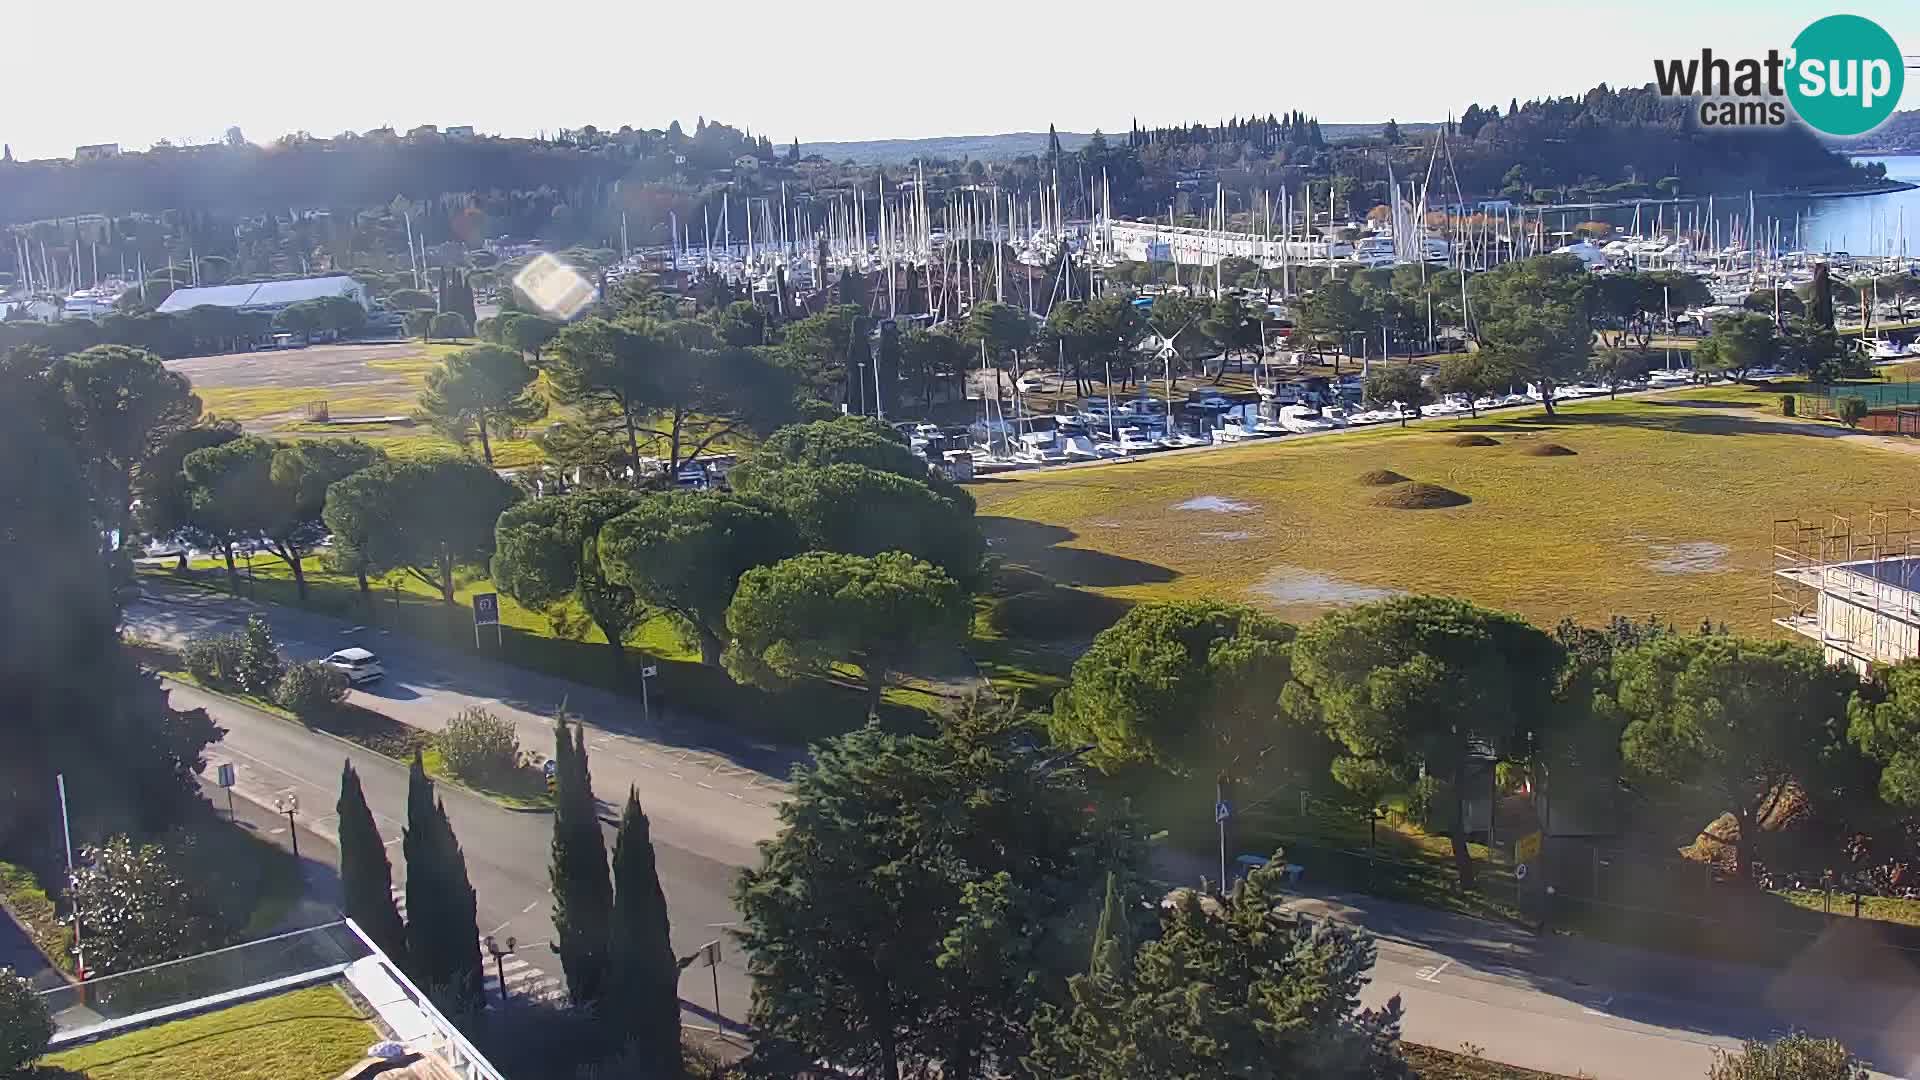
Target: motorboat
[(1135, 440), (1081, 448), (1301, 420), (1183, 440), (1885, 351), (1337, 415), (1040, 448)]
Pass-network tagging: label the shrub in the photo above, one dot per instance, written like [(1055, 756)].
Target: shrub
[(448, 325), (311, 687), (1852, 410), (25, 1025), (214, 659), (1798, 1055), (477, 745), (1424, 797), (259, 663), (1787, 405), (141, 908)]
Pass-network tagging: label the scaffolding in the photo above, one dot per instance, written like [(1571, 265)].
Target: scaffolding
[(1854, 588)]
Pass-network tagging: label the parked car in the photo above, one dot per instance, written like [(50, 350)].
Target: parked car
[(359, 665)]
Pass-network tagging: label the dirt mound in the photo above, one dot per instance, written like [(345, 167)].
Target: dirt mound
[(1474, 440), (1418, 496), (1382, 478), (1551, 449)]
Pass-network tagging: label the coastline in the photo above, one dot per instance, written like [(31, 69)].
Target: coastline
[(1885, 187)]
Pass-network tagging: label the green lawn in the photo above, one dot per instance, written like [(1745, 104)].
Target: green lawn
[(1665, 507), (27, 899), (311, 1034)]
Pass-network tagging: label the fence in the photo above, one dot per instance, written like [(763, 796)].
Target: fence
[(97, 1004), (1823, 400)]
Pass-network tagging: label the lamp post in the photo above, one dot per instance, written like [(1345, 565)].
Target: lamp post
[(500, 961), (289, 804)]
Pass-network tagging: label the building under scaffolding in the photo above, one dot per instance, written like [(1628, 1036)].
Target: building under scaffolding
[(1855, 591)]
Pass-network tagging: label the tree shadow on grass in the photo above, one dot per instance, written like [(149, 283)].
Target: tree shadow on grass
[(1039, 546)]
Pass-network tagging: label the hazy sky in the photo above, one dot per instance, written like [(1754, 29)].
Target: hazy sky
[(135, 72)]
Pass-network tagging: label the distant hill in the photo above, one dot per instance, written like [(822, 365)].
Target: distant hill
[(1899, 135), (945, 147), (1021, 143)]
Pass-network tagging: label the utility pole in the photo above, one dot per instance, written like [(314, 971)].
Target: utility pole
[(66, 832)]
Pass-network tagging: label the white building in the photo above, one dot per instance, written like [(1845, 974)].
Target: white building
[(96, 151), (266, 297), (1856, 595)]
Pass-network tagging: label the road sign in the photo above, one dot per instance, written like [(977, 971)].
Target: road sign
[(1221, 811), (1520, 872), (649, 671), (486, 609), (225, 775), (710, 954)]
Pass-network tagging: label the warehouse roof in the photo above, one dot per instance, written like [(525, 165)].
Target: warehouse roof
[(262, 294)]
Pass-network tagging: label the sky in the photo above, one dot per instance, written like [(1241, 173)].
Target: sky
[(134, 72)]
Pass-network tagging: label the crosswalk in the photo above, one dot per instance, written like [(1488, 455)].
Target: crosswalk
[(524, 981)]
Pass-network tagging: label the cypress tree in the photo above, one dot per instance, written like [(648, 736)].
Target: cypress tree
[(366, 879), (582, 892), (643, 976), (443, 928)]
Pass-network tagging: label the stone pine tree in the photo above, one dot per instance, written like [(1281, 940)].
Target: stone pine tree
[(366, 879), (643, 978), (443, 929), (582, 892)]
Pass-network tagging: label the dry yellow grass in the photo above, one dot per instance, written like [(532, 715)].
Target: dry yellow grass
[(1665, 508)]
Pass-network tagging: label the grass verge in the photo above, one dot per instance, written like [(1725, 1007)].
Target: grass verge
[(1431, 1063), (24, 896), (807, 711), (303, 1035)]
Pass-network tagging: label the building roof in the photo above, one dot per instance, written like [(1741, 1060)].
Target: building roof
[(259, 294)]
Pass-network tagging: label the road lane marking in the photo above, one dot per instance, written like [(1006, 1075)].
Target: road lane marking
[(529, 907), (1432, 974), (704, 784)]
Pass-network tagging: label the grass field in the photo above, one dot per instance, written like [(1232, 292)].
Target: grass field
[(372, 388), (1665, 507), (311, 1034)]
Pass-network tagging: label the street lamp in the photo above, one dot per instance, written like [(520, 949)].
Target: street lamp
[(289, 804), (500, 961)]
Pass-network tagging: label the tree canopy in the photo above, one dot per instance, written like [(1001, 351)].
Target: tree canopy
[(547, 552), (684, 552), (1226, 989), (1722, 724), (1532, 314), (426, 516), (484, 390), (1192, 687), (1427, 682), (924, 895), (257, 487), (802, 615)]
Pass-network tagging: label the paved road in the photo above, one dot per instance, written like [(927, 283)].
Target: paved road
[(1616, 1013), (1577, 1007), (506, 851), (703, 786)]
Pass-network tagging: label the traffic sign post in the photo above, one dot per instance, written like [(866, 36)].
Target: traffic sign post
[(646, 675), (710, 956), (486, 612), (225, 775)]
